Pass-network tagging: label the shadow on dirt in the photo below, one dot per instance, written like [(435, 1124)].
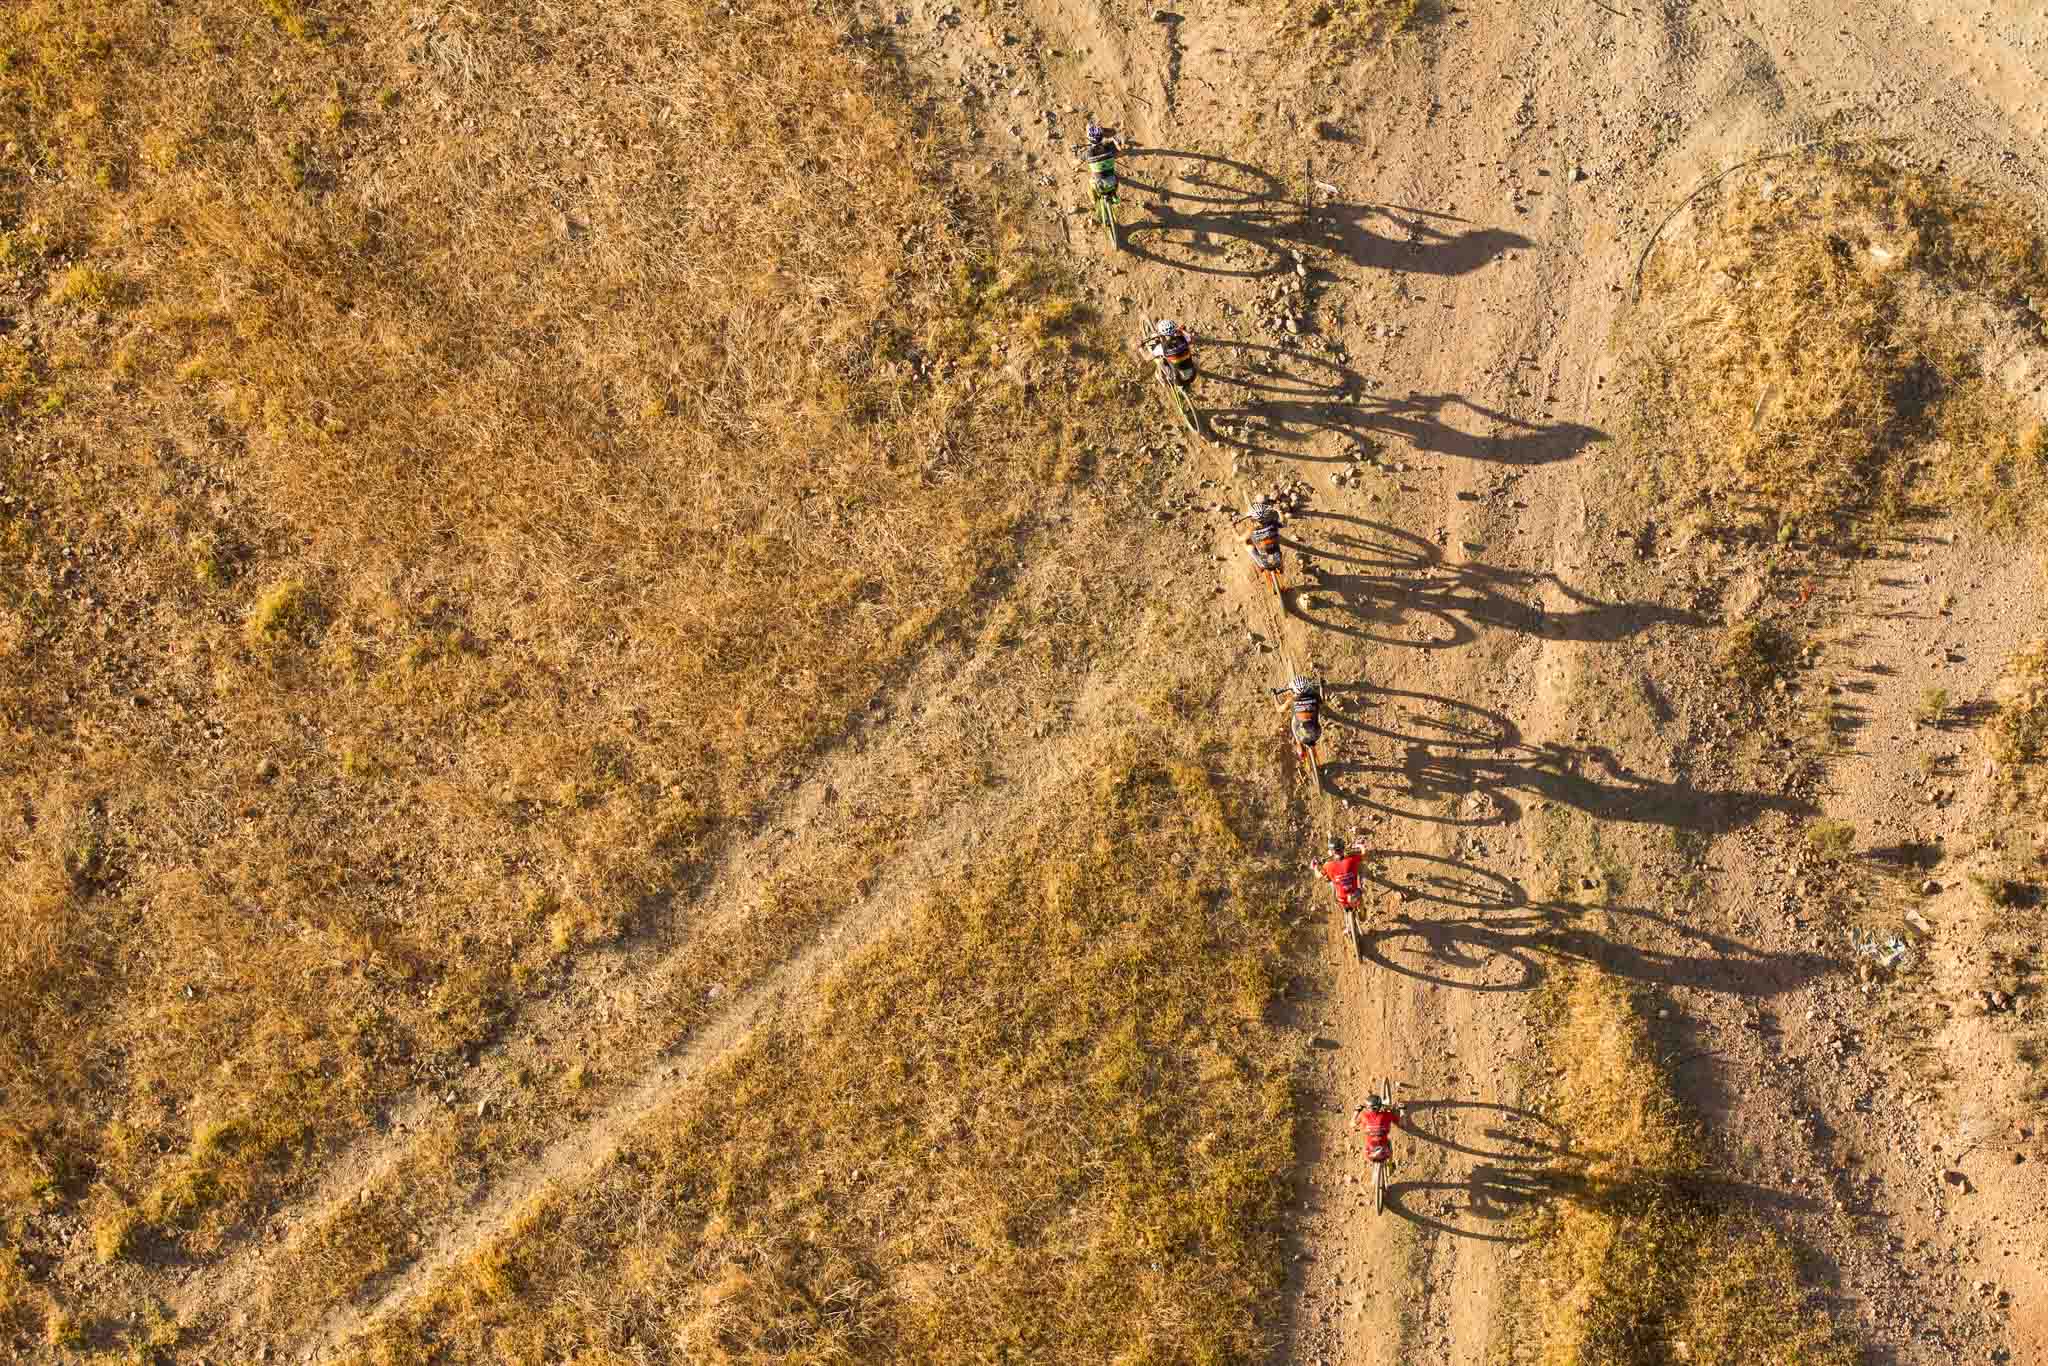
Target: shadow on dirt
[(1283, 429), (1261, 368), (1503, 941), (1203, 208), (1385, 585), (1506, 1134)]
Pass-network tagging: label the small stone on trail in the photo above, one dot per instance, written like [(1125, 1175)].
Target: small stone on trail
[(1579, 173), (1929, 887), (1301, 270)]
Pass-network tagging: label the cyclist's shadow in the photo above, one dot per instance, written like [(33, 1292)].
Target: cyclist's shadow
[(1492, 1196)]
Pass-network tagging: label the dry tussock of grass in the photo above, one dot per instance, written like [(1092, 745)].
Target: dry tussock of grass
[(2017, 734), (1363, 23), (1813, 353), (1633, 1265), (490, 455), (1031, 1126)]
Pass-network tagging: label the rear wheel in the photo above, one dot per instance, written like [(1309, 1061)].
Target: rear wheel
[(1379, 1186), (1184, 405)]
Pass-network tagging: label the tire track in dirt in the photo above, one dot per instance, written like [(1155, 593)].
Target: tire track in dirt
[(366, 1162), (571, 1017), (575, 1157)]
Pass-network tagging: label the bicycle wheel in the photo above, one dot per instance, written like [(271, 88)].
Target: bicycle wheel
[(1105, 213), (1379, 1187), (1185, 406)]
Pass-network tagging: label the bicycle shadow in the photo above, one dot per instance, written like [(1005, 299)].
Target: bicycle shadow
[(1516, 1135), (1429, 423), (1506, 942), (1392, 576), (1491, 1196), (1442, 722), (1257, 367), (1205, 206)]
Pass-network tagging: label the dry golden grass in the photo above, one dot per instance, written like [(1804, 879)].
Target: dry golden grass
[(459, 468), (1044, 1122), (1633, 1264), (2017, 734), (1818, 351)]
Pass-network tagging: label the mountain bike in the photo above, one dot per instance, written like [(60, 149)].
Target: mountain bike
[(1315, 767), (1105, 200), (1382, 1156), (1178, 398)]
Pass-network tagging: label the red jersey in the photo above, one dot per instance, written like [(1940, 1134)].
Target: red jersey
[(1377, 1127), (1343, 875)]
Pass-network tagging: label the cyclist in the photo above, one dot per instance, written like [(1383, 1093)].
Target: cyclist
[(1342, 869), (1377, 1120), (1306, 695), (1173, 347), (1264, 540), (1099, 156)]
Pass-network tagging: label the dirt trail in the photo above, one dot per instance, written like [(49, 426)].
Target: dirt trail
[(578, 1155)]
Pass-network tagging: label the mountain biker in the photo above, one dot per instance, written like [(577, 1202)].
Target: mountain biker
[(1172, 346), (1099, 156), (1264, 540), (1377, 1120), (1342, 869), (1306, 695)]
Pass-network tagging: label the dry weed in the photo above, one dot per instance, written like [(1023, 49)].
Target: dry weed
[(1813, 353)]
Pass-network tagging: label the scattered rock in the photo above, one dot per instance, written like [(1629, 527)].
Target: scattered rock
[(1929, 887), (1958, 1180), (1580, 173)]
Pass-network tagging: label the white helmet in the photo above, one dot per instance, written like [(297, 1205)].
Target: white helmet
[(1167, 327)]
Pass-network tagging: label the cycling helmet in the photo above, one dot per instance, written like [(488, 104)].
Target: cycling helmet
[(1375, 1104), (1168, 327), (1301, 686), (1094, 131), (1336, 846)]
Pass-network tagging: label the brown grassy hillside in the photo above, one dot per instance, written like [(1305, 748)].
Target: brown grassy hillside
[(458, 470)]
